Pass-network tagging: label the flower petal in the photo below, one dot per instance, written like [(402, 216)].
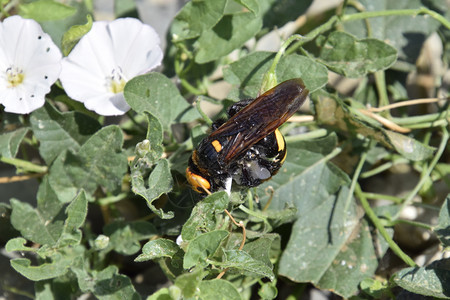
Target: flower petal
[(108, 104), (136, 46), (20, 100), (28, 51), (79, 83), (105, 58)]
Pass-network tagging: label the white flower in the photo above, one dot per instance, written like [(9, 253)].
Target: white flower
[(109, 55), (29, 64)]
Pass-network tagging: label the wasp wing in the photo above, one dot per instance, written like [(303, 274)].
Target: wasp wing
[(259, 118)]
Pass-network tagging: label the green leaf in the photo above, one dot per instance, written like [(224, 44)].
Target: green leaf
[(18, 244), (203, 215), (332, 111), (268, 290), (375, 288), (107, 284), (157, 249), (76, 215), (217, 289), (57, 132), (433, 280), (337, 252), (251, 5), (74, 34), (125, 236), (155, 130), (408, 147), (203, 247), (159, 182), (62, 287), (261, 248), (241, 261), (313, 74), (10, 142), (278, 12), (57, 28), (443, 228), (196, 17), (46, 10), (230, 33), (189, 282), (248, 72), (156, 94), (345, 55), (36, 224), (162, 294), (56, 265), (405, 33), (100, 161)]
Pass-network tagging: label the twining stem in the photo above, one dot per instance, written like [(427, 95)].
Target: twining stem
[(201, 112), (364, 16), (430, 118), (426, 173), (307, 136), (355, 188), (244, 236), (377, 223), (395, 199), (270, 78), (397, 12), (413, 223), (380, 82), (24, 165)]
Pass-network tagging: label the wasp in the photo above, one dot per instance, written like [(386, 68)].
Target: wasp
[(248, 148)]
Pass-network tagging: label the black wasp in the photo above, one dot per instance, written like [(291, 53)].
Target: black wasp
[(248, 148)]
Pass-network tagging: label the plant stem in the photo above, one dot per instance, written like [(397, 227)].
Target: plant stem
[(190, 88), (397, 12), (380, 82), (133, 120), (364, 16), (24, 165), (426, 173), (112, 199), (306, 136), (413, 223), (420, 119), (395, 199), (377, 223), (437, 123), (8, 7), (202, 113), (383, 167), (377, 170), (313, 34)]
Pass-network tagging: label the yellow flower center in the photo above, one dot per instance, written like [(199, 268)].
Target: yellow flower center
[(14, 76), (116, 81), (117, 86)]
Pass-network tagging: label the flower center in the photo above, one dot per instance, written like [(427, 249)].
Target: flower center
[(14, 76), (116, 81)]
